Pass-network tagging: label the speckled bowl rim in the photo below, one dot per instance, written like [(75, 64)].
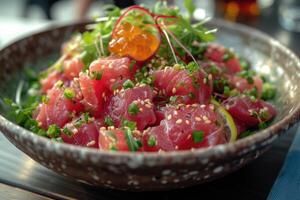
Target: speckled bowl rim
[(267, 135)]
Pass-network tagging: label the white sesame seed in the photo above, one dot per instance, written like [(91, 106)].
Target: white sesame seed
[(75, 130), (175, 112), (174, 90), (207, 121), (179, 121), (187, 121), (195, 105), (198, 119), (148, 105), (202, 106), (205, 118), (169, 117), (112, 80), (91, 143), (141, 109)]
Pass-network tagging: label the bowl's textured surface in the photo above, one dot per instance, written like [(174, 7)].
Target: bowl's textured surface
[(152, 171)]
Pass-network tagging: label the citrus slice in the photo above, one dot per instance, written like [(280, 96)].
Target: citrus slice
[(231, 134)]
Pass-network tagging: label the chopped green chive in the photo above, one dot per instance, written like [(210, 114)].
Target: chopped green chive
[(45, 99), (148, 80), (128, 84), (250, 80), (108, 121), (132, 63), (112, 135), (113, 147), (213, 69), (130, 124), (226, 91), (53, 131), (59, 84), (269, 91), (173, 99), (67, 131), (151, 141), (69, 93), (42, 132), (246, 134), (244, 64), (133, 109), (59, 139), (192, 95), (198, 136), (253, 93), (192, 67), (86, 117), (96, 75), (78, 123), (132, 144), (139, 143), (263, 125), (248, 75), (264, 114), (227, 56)]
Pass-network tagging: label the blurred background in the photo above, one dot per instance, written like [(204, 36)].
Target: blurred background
[(279, 18)]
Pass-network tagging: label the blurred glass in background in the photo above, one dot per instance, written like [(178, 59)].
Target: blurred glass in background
[(289, 14), (16, 16), (239, 10)]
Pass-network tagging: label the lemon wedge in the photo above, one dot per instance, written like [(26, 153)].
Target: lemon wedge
[(229, 122)]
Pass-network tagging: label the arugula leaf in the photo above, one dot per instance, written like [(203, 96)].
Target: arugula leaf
[(190, 7)]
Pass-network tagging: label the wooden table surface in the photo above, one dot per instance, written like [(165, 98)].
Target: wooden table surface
[(23, 178)]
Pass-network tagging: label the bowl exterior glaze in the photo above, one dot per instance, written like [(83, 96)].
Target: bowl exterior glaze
[(153, 171)]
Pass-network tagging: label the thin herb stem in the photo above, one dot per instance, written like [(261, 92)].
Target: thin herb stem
[(170, 44), (19, 92), (97, 48), (101, 43), (179, 43), (211, 31)]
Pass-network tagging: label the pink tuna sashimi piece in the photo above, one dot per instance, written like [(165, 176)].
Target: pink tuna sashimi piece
[(177, 129), (48, 82), (94, 94), (111, 69), (215, 52), (142, 98), (57, 110), (248, 111), (72, 67), (242, 85), (84, 134), (173, 82), (192, 88), (113, 140)]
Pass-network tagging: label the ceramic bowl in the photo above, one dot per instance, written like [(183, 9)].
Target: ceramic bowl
[(153, 171)]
